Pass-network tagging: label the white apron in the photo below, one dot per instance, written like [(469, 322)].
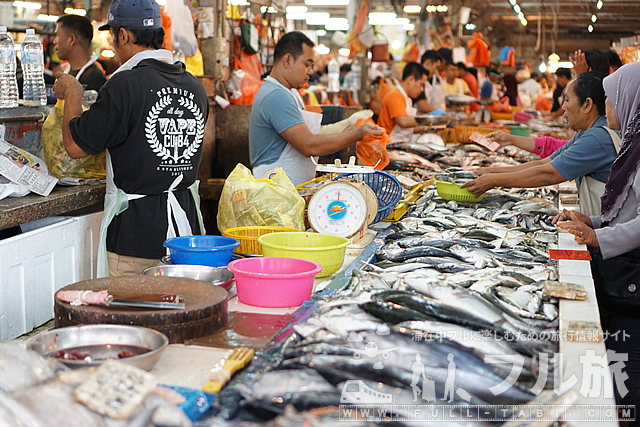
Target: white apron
[(591, 190), (299, 169), (398, 133), (437, 92), (93, 59), (116, 200)]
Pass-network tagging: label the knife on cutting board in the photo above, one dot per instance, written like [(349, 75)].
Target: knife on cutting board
[(121, 302)]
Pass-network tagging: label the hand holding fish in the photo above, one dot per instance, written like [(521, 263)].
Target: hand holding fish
[(585, 235), (566, 215), (481, 184)]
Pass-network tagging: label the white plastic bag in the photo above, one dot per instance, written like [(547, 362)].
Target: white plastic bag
[(183, 35)]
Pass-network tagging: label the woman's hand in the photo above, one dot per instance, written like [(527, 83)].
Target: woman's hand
[(585, 235), (566, 215), (501, 138), (481, 184)]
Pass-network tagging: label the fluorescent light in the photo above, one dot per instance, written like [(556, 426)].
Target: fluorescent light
[(409, 27), (395, 45), (27, 5), (565, 64), (308, 16), (337, 24), (297, 9), (590, 28), (318, 18), (107, 53), (516, 8), (344, 52), (412, 8), (322, 50), (50, 18), (442, 8), (264, 9), (72, 11), (524, 22), (431, 8), (382, 15), (470, 27), (326, 2), (238, 2), (521, 15), (599, 4), (594, 18), (321, 33)]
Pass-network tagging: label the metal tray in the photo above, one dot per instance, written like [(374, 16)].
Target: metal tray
[(219, 276), (103, 342), (429, 120)]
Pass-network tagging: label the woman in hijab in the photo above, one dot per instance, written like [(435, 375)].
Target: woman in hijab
[(613, 237)]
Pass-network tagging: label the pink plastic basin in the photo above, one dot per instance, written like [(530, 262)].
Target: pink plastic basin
[(274, 282)]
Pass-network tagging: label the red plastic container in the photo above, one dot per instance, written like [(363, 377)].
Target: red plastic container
[(274, 282)]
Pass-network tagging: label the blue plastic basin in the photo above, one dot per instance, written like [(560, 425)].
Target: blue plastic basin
[(214, 251)]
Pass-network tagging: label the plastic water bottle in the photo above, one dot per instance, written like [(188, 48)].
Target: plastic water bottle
[(8, 84), (33, 69), (334, 76)]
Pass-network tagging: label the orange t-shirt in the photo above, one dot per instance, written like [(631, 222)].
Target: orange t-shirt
[(393, 105)]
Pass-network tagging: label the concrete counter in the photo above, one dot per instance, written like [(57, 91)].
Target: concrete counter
[(16, 211)]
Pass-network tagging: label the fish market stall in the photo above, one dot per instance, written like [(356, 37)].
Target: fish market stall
[(448, 314)]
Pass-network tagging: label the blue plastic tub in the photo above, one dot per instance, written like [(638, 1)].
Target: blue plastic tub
[(214, 251), (387, 189)]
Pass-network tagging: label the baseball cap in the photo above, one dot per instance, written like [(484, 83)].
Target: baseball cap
[(133, 15)]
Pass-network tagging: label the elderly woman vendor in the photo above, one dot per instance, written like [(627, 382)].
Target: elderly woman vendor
[(587, 157), (614, 237)]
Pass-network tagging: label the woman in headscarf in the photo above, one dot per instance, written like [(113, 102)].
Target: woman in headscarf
[(613, 237)]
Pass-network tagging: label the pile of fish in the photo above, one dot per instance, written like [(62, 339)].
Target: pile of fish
[(437, 157), (453, 307)]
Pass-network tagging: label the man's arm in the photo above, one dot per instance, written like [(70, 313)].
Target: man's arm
[(308, 144), (69, 89), (425, 106), (514, 169)]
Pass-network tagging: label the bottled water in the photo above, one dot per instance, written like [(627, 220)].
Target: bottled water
[(33, 69), (8, 85), (334, 76)]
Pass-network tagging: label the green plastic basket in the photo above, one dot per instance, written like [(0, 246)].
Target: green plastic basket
[(451, 191)]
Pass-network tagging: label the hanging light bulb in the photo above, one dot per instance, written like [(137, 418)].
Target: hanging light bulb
[(516, 7), (599, 4), (594, 18), (590, 28)]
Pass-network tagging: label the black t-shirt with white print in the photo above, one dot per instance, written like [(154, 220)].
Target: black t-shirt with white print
[(152, 119)]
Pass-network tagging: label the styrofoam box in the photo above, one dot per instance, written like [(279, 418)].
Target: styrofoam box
[(50, 253)]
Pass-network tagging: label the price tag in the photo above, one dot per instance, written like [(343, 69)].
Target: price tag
[(580, 331)]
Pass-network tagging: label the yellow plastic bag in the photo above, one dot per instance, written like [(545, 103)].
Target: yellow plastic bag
[(56, 157), (194, 64), (247, 202)]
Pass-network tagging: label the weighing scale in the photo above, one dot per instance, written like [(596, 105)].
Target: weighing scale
[(344, 207)]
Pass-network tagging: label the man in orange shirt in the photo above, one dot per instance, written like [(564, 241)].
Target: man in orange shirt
[(398, 115), (470, 79)]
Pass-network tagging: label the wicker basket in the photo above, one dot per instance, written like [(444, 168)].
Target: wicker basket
[(248, 237)]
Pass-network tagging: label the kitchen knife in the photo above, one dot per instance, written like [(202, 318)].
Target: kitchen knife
[(119, 302)]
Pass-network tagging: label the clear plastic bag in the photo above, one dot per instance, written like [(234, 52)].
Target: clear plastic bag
[(55, 155), (247, 202), (183, 34)]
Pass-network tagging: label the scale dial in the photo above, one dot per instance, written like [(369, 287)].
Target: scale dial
[(338, 208)]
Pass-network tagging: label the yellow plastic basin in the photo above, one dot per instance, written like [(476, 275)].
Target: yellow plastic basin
[(325, 249)]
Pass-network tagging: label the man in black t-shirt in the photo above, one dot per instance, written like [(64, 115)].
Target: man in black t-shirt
[(150, 117), (73, 44)]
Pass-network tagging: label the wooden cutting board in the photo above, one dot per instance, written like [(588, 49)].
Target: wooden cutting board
[(205, 310)]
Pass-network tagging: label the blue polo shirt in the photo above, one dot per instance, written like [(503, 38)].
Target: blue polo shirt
[(589, 152), (274, 111)]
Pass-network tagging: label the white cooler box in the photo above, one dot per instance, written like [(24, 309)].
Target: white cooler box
[(50, 253)]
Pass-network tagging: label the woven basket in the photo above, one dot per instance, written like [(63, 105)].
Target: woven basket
[(248, 237)]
